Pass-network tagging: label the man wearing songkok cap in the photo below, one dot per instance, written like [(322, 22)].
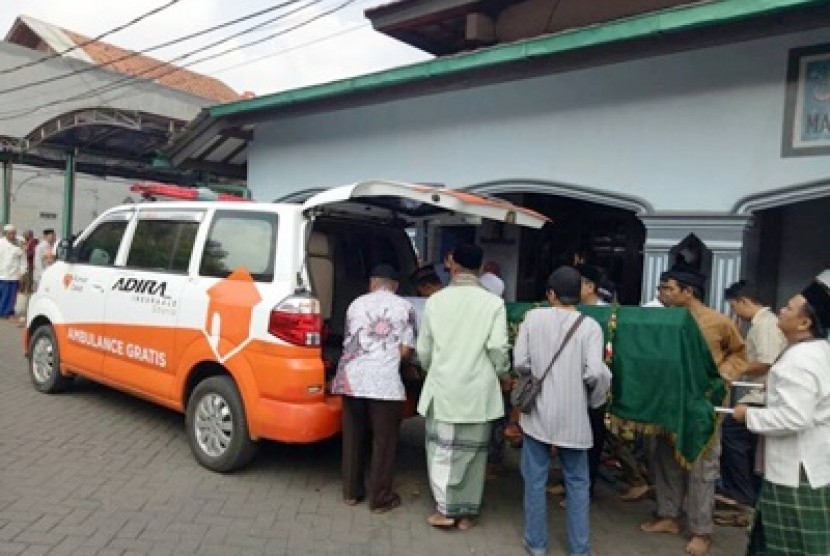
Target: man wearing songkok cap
[(792, 516), (685, 288), (462, 346), (380, 332), (12, 267)]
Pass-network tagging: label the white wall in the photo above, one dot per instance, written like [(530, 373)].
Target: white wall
[(37, 191), (691, 131)]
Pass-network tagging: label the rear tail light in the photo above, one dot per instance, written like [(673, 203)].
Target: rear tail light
[(297, 320)]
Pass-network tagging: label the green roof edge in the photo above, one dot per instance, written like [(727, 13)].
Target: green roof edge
[(671, 20)]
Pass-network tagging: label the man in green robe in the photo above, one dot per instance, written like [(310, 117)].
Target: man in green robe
[(462, 346)]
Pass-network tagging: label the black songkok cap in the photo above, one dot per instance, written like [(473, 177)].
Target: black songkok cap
[(566, 283), (468, 256), (425, 274), (590, 273), (384, 271), (687, 276), (817, 295)]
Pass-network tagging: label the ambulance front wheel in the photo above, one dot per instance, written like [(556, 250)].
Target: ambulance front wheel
[(216, 425), (44, 362)]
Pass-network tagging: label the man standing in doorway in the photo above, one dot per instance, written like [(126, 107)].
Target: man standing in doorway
[(462, 346), (12, 266), (380, 332), (685, 288)]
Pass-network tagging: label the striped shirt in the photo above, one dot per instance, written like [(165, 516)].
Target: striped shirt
[(578, 379)]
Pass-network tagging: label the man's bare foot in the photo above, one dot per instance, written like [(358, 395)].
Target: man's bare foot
[(440, 520), (557, 490), (661, 525), (635, 493), (699, 545)]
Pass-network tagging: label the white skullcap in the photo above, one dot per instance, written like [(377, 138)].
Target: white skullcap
[(492, 283)]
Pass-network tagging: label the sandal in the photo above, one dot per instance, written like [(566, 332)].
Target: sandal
[(465, 523)]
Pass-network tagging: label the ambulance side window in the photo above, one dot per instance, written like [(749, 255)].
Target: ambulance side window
[(101, 246), (164, 245), (240, 239)]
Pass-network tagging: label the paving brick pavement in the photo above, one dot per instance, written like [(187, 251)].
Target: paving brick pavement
[(95, 472)]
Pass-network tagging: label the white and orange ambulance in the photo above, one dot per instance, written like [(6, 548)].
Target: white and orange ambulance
[(219, 309)]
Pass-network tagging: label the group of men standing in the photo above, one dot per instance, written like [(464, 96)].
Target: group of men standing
[(789, 356), (459, 339), (21, 265)]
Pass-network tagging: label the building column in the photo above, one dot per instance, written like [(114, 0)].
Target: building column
[(68, 196), (6, 194), (722, 234)]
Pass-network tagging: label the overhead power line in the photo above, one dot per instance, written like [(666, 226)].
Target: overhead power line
[(97, 38), (128, 80), (165, 44), (291, 48)]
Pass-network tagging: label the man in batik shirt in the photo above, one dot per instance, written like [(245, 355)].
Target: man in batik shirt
[(380, 332)]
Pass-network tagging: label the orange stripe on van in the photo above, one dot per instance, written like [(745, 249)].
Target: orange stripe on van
[(282, 386)]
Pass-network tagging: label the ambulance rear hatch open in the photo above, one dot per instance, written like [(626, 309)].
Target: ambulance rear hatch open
[(413, 203)]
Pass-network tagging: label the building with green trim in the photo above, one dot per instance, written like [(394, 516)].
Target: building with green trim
[(696, 128)]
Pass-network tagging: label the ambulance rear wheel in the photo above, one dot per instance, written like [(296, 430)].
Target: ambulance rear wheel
[(216, 425), (44, 362)]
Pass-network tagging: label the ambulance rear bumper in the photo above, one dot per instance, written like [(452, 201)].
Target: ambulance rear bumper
[(299, 423)]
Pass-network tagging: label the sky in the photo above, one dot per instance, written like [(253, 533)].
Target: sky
[(335, 46)]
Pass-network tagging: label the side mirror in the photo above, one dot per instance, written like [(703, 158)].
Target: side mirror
[(64, 250)]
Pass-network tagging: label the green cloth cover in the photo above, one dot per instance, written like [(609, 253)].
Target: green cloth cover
[(665, 380)]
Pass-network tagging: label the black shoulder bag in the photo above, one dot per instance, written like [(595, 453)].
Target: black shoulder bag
[(527, 387)]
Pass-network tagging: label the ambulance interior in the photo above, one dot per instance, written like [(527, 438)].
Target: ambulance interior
[(341, 253), (353, 229)]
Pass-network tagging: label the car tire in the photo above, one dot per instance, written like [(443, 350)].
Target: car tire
[(216, 425), (44, 362)]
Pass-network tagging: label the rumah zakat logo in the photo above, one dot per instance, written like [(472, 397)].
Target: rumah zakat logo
[(67, 281), (229, 312)]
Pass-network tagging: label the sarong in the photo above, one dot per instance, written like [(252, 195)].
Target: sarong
[(457, 465), (791, 521), (8, 297)]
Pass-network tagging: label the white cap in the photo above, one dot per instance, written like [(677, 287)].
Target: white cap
[(824, 278), (9, 228), (492, 283)]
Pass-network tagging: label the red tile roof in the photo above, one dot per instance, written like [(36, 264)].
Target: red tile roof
[(45, 37), (181, 79)]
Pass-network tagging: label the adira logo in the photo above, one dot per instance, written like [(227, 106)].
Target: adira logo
[(147, 287)]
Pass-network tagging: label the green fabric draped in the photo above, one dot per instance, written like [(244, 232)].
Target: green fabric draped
[(665, 380)]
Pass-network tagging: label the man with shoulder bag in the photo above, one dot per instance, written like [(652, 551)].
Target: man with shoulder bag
[(562, 351)]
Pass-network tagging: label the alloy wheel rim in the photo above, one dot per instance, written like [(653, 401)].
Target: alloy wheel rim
[(213, 425), (43, 361)]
